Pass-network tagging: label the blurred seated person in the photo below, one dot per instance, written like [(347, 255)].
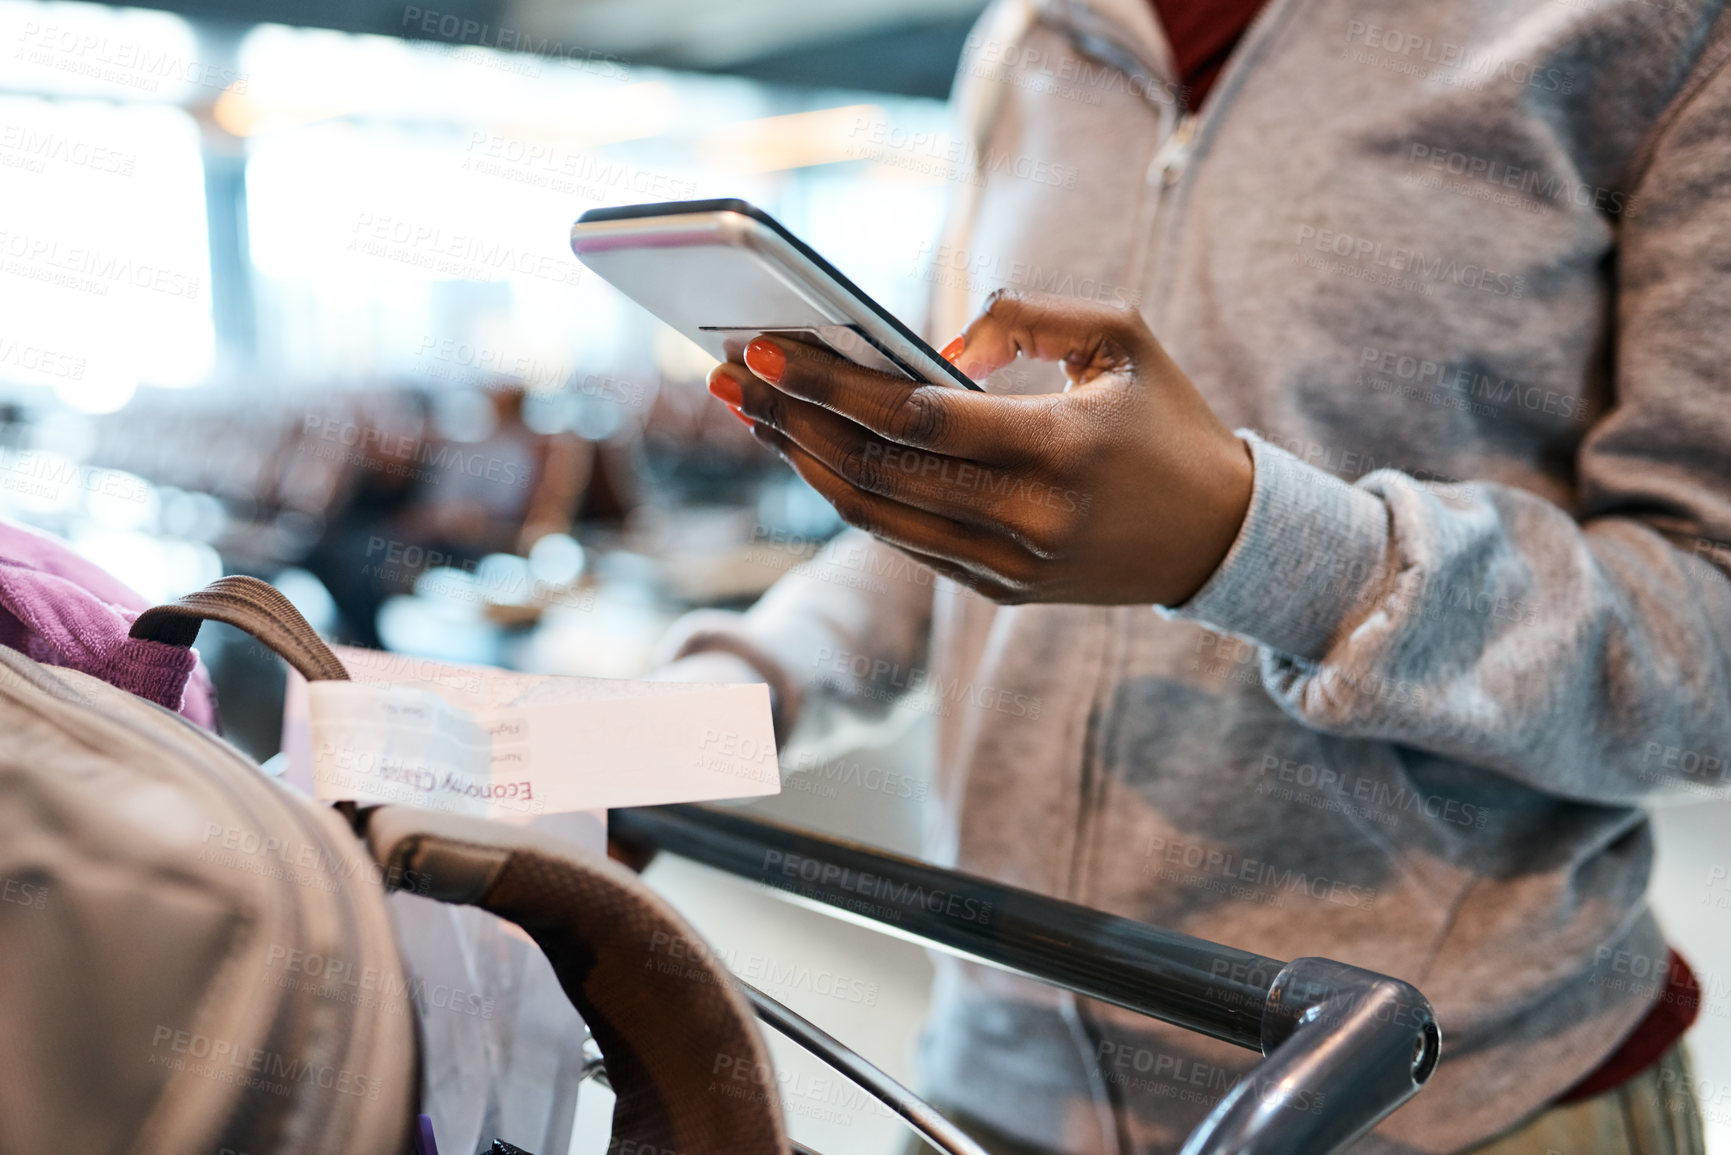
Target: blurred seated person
[(467, 479)]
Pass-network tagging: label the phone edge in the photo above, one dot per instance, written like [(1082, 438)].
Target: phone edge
[(747, 209)]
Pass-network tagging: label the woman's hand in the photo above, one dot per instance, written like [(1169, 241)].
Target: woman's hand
[(1123, 489)]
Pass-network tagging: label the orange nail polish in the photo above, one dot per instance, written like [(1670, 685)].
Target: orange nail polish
[(766, 360), (723, 386), (740, 413), (951, 351)]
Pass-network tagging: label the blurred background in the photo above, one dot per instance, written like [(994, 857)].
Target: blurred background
[(285, 290), (299, 302)]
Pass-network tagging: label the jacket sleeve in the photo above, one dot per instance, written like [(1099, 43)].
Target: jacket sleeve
[(845, 631), (1585, 654)]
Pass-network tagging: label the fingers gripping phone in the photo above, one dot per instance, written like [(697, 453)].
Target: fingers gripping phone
[(723, 271)]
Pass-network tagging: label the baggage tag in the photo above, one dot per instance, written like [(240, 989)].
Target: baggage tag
[(497, 744)]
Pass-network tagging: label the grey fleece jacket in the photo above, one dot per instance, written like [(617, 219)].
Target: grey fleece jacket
[(1462, 275)]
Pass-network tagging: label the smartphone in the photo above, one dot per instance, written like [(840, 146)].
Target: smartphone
[(723, 271)]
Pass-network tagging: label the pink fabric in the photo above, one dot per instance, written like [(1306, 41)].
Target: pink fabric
[(62, 610)]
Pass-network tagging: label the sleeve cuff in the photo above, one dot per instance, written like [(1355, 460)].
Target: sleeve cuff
[(1310, 547)]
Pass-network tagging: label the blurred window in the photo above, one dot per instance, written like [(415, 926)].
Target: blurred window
[(410, 204), (104, 255)]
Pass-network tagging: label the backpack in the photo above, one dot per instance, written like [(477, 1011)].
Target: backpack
[(196, 958)]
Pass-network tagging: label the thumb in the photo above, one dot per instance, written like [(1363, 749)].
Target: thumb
[(1087, 337)]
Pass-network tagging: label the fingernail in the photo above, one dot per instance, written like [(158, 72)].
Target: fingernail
[(740, 413), (766, 360), (723, 386), (951, 351)]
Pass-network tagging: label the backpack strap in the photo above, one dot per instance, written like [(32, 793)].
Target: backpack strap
[(247, 604), (681, 1046)]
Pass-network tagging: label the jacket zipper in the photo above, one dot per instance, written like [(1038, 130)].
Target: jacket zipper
[(1175, 154), (1101, 40), (1170, 159), (1164, 176), (1166, 171)]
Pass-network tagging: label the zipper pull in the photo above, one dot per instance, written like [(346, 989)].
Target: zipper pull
[(1173, 153)]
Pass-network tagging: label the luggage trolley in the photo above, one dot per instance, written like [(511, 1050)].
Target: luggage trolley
[(1366, 1041)]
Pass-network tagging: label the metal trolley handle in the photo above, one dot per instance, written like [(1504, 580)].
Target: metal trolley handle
[(1356, 1043)]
